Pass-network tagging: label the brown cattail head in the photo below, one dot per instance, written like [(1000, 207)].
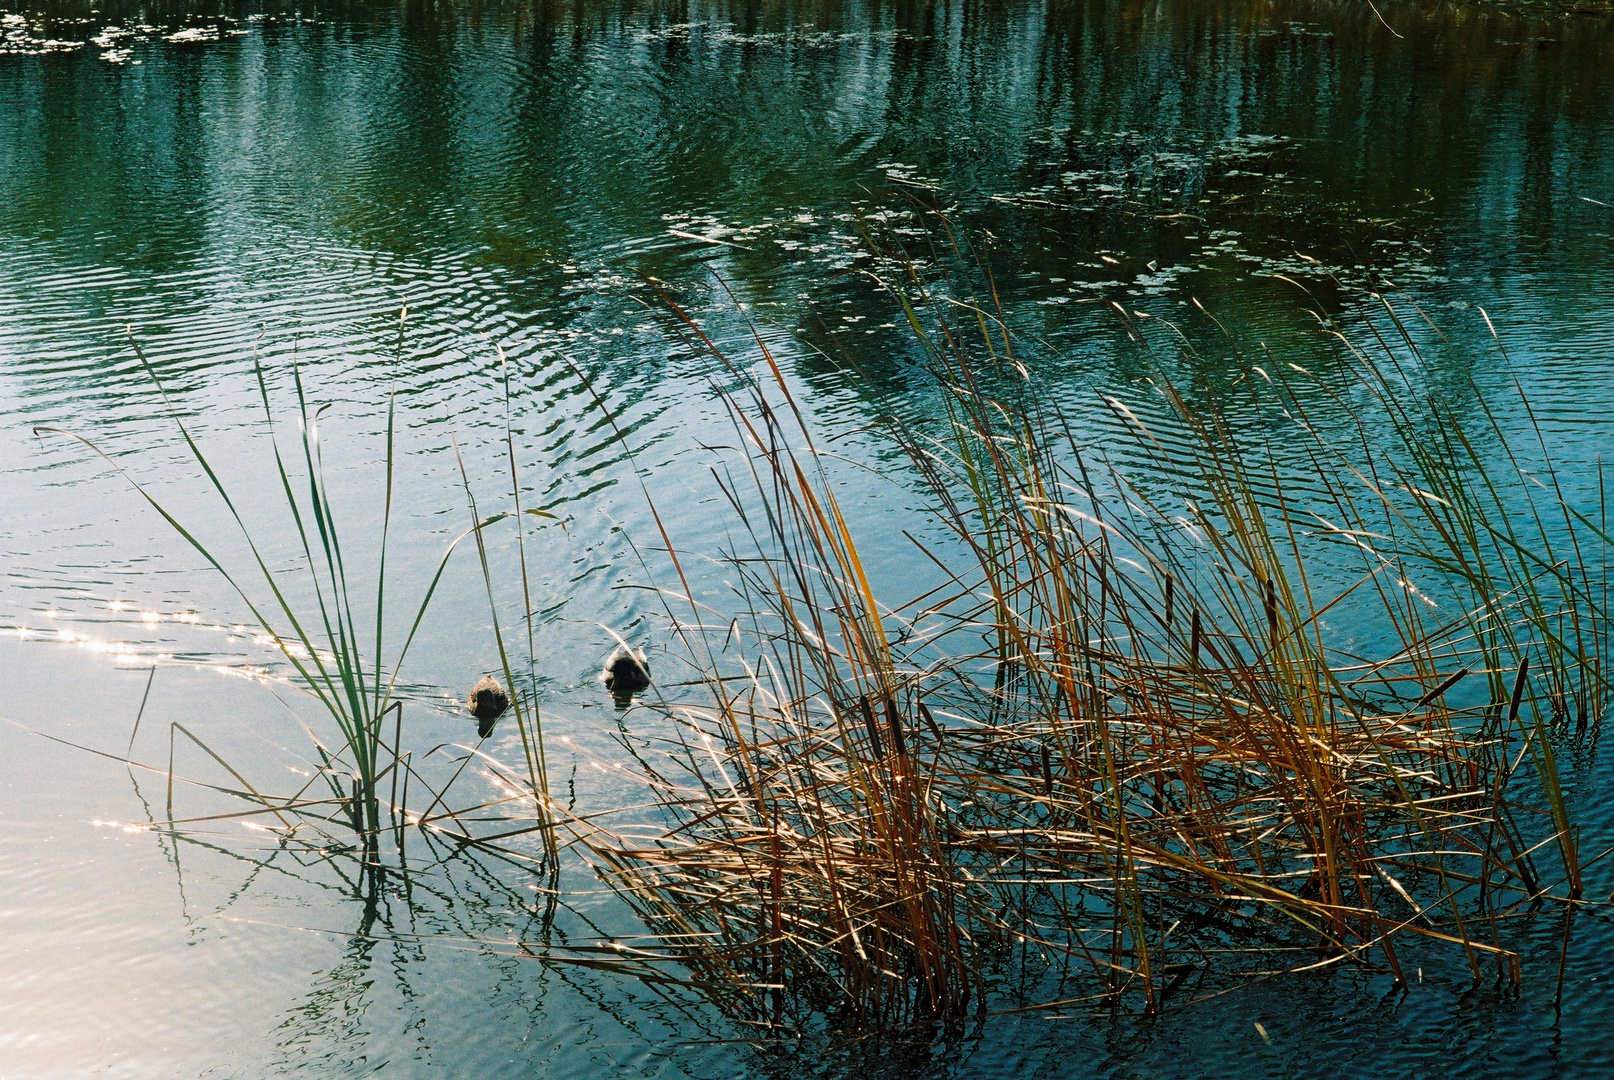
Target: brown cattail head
[(894, 719), (874, 732)]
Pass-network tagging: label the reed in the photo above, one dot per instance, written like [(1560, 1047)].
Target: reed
[(307, 612), (1262, 692), (1222, 679)]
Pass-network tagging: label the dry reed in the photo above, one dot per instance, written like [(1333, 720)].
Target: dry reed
[(1288, 701)]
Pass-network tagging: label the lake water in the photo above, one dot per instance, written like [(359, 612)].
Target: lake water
[(529, 177)]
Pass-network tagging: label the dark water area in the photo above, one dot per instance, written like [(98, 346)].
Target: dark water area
[(533, 178)]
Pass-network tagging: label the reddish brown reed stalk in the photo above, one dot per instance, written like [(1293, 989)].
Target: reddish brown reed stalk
[(1219, 741)]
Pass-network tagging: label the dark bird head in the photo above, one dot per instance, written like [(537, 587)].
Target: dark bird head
[(487, 703), (627, 671)]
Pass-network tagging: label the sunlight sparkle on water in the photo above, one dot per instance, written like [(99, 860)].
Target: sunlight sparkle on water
[(120, 826)]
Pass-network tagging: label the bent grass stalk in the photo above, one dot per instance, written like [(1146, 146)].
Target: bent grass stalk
[(1234, 742)]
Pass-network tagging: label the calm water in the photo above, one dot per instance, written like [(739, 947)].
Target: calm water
[(519, 176)]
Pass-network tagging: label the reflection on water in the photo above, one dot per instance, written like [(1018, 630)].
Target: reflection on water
[(529, 176)]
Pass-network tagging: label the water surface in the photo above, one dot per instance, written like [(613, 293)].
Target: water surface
[(532, 178)]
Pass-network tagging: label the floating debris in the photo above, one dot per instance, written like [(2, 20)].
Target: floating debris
[(202, 35), (16, 39), (112, 43)]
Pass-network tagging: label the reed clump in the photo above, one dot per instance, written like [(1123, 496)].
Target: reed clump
[(312, 612), (1266, 687)]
